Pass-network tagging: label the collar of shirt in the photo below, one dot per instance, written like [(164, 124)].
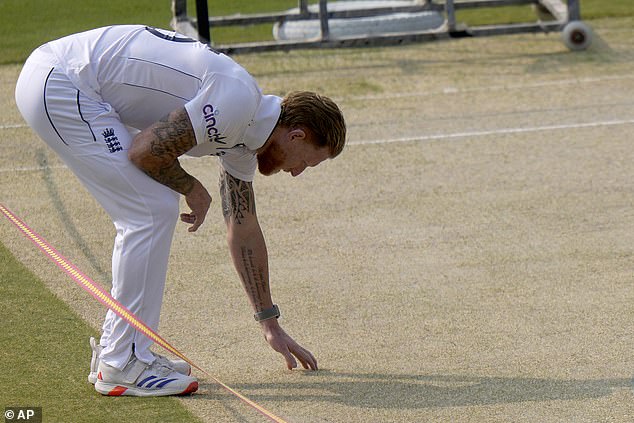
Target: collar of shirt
[(263, 122)]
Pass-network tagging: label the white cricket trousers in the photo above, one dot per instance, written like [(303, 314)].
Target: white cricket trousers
[(93, 142)]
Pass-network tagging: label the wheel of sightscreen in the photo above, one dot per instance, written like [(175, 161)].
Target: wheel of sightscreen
[(307, 29), (577, 35)]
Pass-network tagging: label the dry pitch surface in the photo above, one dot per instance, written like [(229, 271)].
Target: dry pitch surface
[(469, 257)]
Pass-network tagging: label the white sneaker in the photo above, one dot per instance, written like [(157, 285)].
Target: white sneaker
[(179, 365), (94, 361), (143, 380)]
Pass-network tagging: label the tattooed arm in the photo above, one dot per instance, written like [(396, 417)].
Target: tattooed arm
[(250, 258), (246, 242), (155, 151)]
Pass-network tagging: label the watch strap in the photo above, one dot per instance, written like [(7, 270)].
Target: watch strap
[(269, 313)]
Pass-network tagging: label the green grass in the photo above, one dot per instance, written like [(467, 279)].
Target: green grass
[(45, 357), (590, 9), (28, 23)]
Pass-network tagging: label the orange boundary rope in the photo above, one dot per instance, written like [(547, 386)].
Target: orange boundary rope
[(106, 299)]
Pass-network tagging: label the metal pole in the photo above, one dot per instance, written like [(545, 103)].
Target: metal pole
[(303, 7), (323, 19), (179, 10), (202, 19), (451, 15), (574, 12)]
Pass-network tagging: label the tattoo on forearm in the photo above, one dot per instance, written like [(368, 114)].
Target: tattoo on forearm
[(174, 177), (173, 136), (237, 196), (254, 278), (238, 204)]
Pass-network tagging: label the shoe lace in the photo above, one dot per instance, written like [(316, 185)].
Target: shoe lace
[(163, 362)]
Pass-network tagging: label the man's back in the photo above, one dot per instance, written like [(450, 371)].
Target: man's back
[(144, 72)]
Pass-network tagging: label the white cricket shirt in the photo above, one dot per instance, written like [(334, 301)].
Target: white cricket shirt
[(144, 73)]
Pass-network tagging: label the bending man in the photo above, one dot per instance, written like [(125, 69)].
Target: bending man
[(120, 105)]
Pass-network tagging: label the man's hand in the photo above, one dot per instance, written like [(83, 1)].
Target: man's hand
[(198, 200), (155, 150), (285, 345)]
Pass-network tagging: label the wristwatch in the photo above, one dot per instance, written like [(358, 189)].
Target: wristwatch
[(269, 313)]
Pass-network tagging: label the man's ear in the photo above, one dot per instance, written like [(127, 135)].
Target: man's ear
[(297, 134)]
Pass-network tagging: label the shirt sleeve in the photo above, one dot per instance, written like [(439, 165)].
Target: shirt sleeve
[(240, 163), (221, 112)]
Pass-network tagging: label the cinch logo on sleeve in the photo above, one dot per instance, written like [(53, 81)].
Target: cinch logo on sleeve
[(213, 135)]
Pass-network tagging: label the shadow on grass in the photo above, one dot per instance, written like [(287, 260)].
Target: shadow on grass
[(66, 217), (393, 391)]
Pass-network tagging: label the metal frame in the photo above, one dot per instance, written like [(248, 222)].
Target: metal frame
[(561, 11)]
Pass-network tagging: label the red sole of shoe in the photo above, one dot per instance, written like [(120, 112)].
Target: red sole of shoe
[(118, 391), (193, 387)]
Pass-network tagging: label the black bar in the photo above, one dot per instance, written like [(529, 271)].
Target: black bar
[(202, 16), (474, 4), (323, 19), (258, 18), (574, 11), (389, 40), (179, 9)]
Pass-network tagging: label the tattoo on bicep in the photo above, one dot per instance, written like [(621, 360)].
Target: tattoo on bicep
[(174, 135), (238, 198)]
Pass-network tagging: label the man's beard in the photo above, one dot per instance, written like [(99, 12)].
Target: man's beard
[(271, 159)]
